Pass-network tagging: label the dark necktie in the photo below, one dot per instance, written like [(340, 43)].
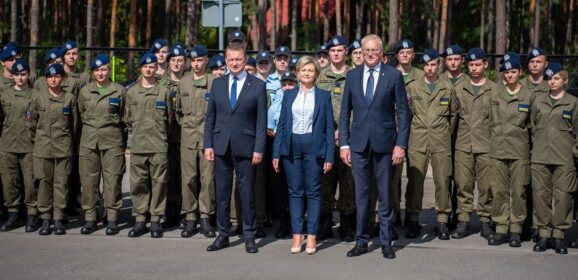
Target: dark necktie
[(369, 87), (233, 96)]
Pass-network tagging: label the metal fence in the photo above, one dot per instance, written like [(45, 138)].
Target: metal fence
[(122, 74)]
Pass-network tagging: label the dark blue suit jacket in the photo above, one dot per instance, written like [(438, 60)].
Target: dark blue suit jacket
[(374, 123), (323, 129), (245, 126)]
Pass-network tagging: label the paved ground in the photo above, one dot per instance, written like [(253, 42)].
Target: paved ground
[(75, 256)]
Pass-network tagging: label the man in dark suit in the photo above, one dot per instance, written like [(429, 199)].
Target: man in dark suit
[(376, 94), (235, 134)]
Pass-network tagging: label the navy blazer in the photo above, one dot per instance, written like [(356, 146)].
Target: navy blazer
[(374, 123), (323, 130), (243, 127)]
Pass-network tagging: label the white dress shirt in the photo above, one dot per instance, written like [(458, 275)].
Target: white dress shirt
[(366, 77), (302, 111), (240, 82)]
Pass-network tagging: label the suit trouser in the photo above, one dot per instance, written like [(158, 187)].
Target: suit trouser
[(174, 197), (553, 184), (417, 169), (11, 164), (469, 168), (111, 164), (396, 186), (225, 165), (260, 196), (52, 174), (148, 185), (198, 187), (340, 176), (362, 164), (304, 170), (508, 182)]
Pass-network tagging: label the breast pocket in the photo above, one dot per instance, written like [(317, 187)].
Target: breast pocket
[(160, 110)]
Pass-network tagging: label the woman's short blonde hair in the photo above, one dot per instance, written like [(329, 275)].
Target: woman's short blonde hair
[(304, 60)]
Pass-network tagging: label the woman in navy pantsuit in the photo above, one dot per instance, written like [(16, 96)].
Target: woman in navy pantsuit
[(305, 141)]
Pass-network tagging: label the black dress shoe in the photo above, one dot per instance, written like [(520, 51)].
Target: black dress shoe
[(443, 231), (387, 252), (515, 240), (394, 235), (535, 235), (219, 243), (88, 228), (260, 233), (251, 247), (182, 223), (573, 244), (486, 231), (59, 228), (541, 245), (31, 223), (284, 229), (560, 247), (190, 229), (112, 228), (413, 230), (207, 229), (11, 223), (462, 230), (358, 250), (138, 230), (45, 228), (237, 230), (156, 230), (497, 239)]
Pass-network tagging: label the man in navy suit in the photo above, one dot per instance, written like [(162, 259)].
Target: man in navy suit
[(235, 134), (375, 93)]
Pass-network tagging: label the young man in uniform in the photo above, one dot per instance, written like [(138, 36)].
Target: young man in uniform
[(332, 79), (176, 68), (160, 49), (263, 65), (322, 56), (70, 59), (147, 116), (472, 161), (355, 53), (217, 65), (198, 174), (432, 103)]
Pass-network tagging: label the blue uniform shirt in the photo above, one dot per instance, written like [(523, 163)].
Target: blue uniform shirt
[(275, 110)]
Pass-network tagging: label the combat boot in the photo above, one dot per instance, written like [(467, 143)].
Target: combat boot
[(59, 228), (45, 228), (560, 247), (88, 228), (515, 240), (486, 231), (31, 223), (112, 228), (10, 224), (541, 245), (190, 229), (138, 230), (462, 230), (207, 229), (443, 231), (497, 239), (156, 230)]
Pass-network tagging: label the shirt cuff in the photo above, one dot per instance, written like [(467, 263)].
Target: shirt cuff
[(343, 147)]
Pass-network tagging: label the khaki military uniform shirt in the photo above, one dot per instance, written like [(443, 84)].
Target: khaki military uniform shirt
[(192, 108), (15, 115), (335, 84)]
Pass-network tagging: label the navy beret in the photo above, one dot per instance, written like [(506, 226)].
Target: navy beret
[(337, 41), (69, 45), (403, 44), (217, 61), (159, 44), (53, 54), (552, 69), (429, 55), (512, 63), (54, 69), (100, 60), (198, 51), (147, 58), (19, 66), (475, 54), (453, 50), (535, 52)]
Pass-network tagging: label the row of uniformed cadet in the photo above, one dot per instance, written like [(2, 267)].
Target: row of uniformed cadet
[(438, 102)]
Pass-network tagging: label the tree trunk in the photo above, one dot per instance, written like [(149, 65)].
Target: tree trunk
[(536, 41), (550, 29), (113, 26), (436, 35), (500, 32), (13, 20), (132, 37), (482, 24), (443, 25), (2, 22), (100, 23), (324, 11), (167, 27), (294, 23), (190, 14), (273, 24), (393, 24), (360, 20), (347, 12), (89, 24), (338, 23), (490, 41), (149, 24), (34, 13), (262, 34), (569, 29)]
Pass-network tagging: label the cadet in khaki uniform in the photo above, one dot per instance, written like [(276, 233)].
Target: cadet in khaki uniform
[(332, 79), (472, 161), (101, 107), (16, 149), (54, 56), (147, 115), (160, 49), (555, 126), (356, 53), (198, 174), (510, 154), (70, 61), (404, 53), (322, 56), (53, 122), (176, 68), (432, 105)]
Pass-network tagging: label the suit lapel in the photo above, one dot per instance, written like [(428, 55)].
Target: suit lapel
[(360, 78), (227, 93), (380, 79)]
